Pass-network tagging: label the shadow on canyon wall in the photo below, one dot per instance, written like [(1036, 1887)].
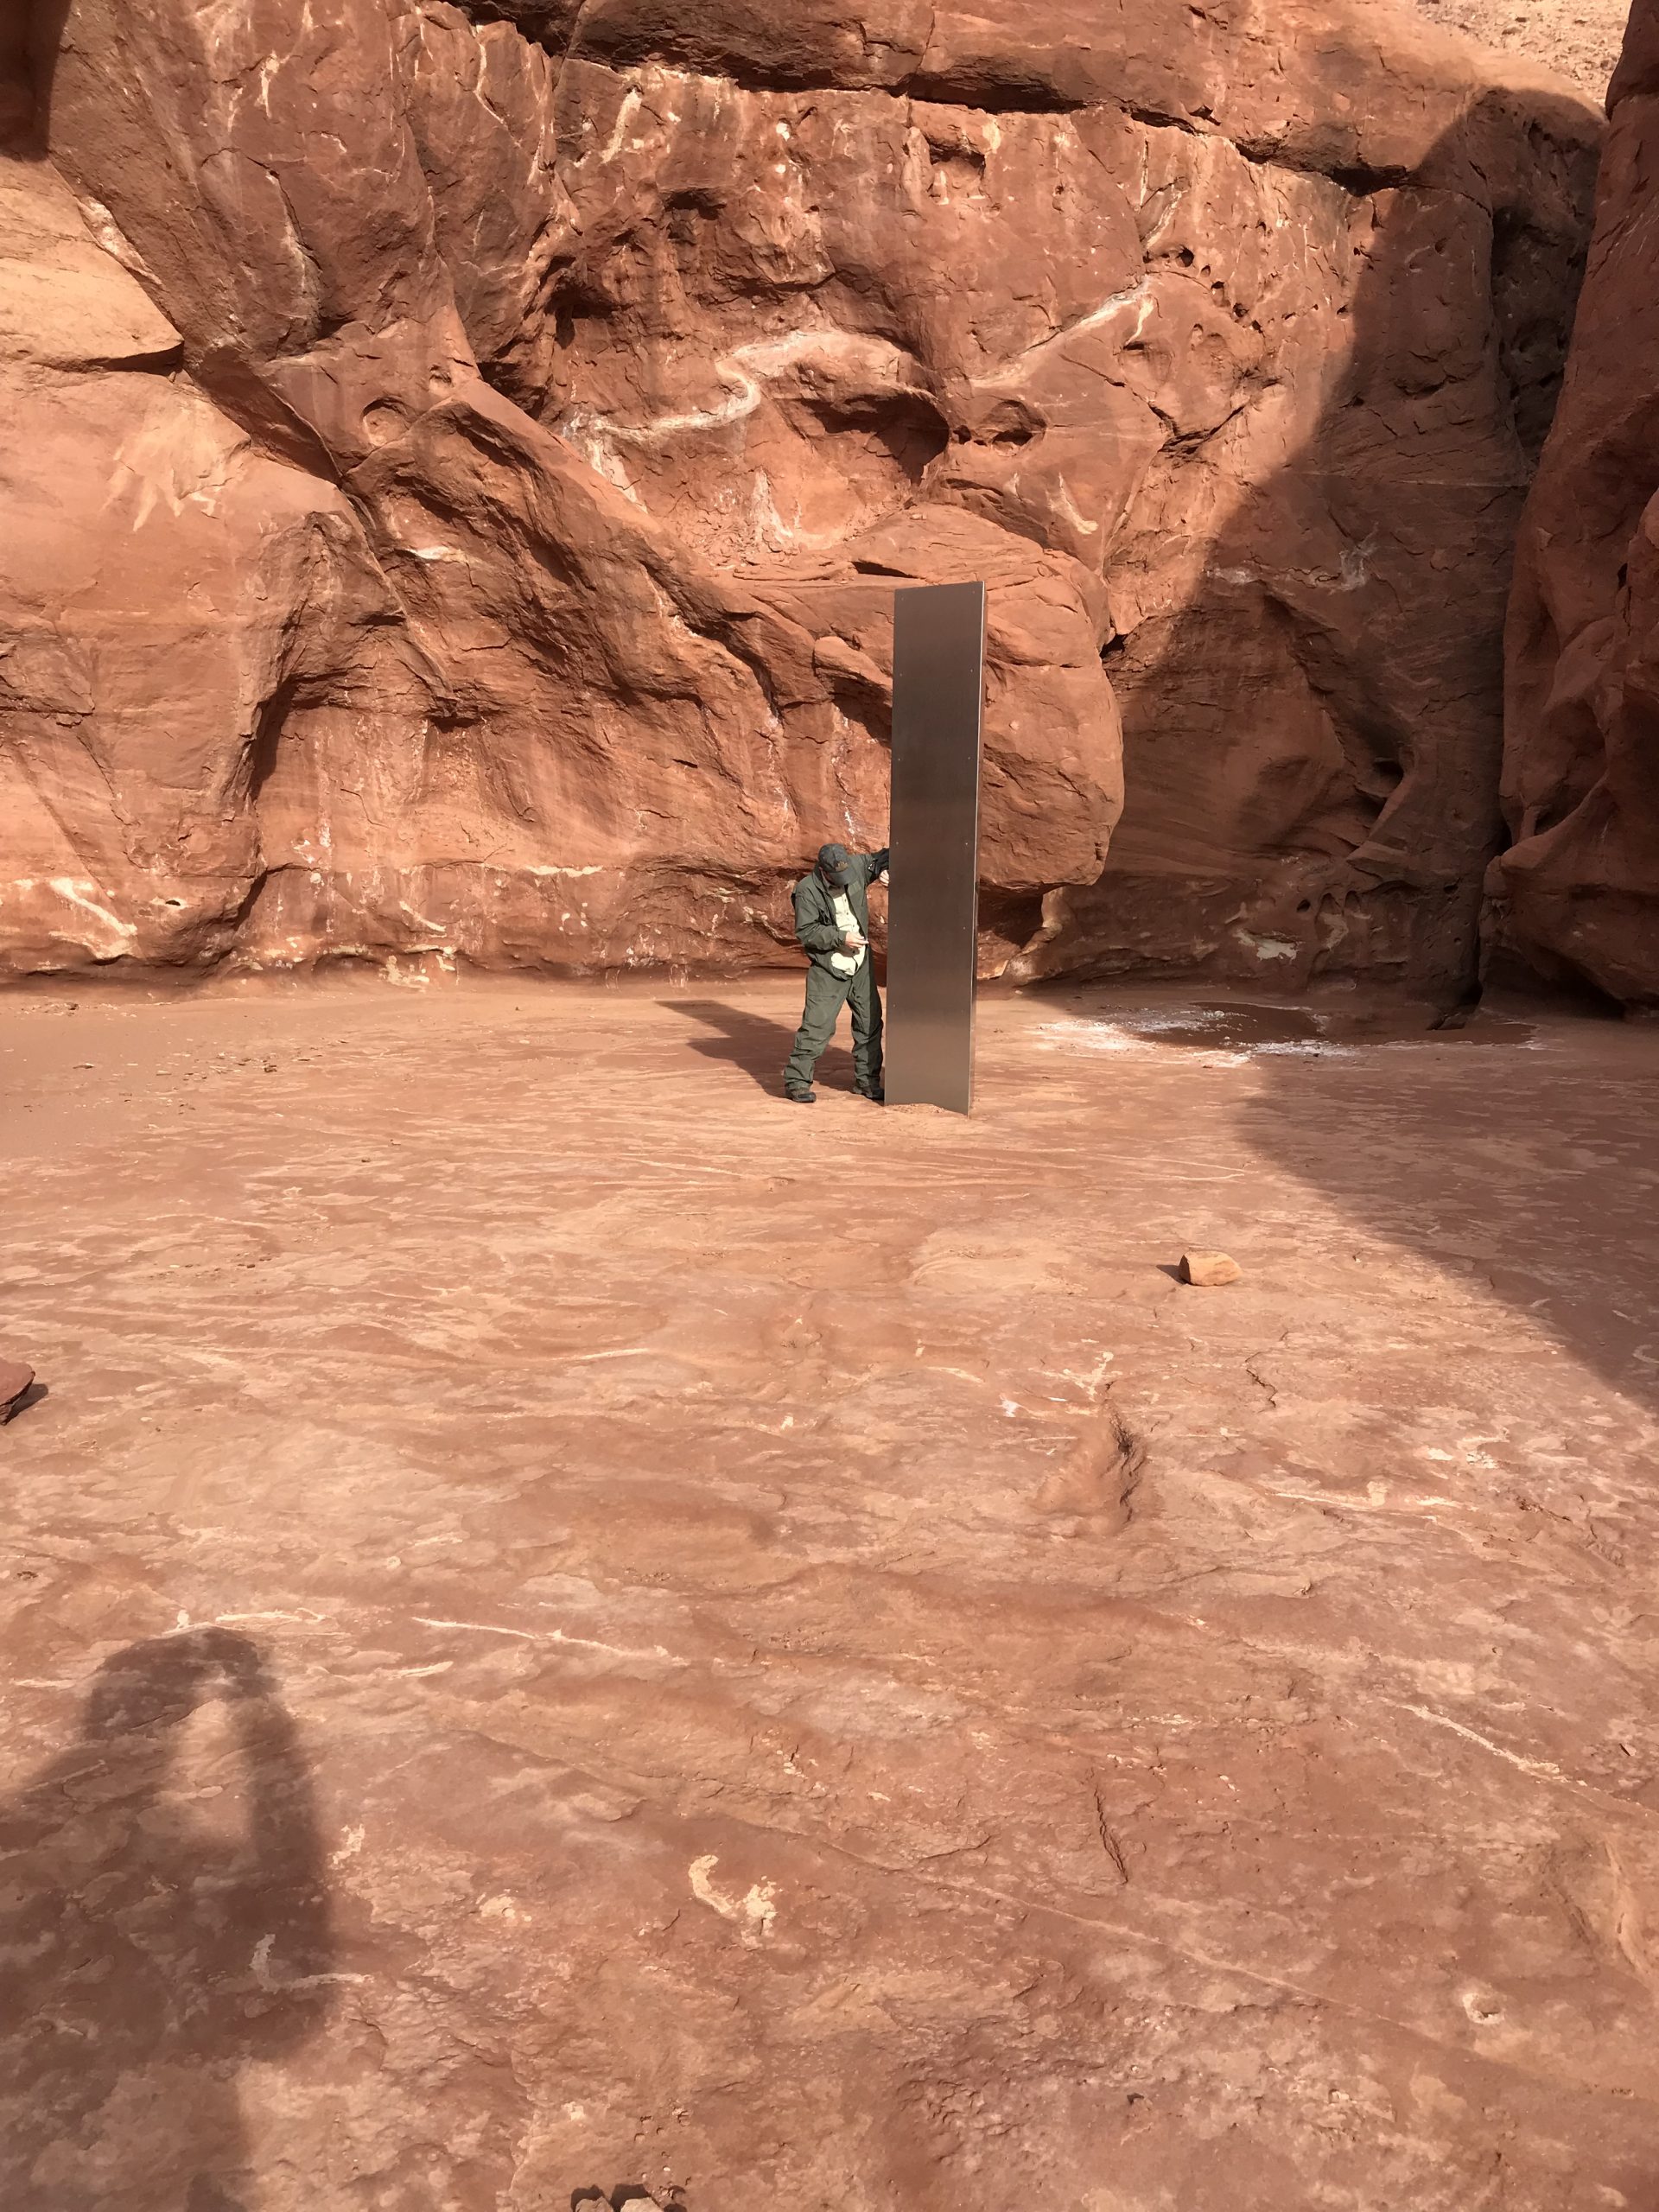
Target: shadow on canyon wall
[(1322, 618), (1313, 740), (31, 32), (163, 1928), (1313, 755)]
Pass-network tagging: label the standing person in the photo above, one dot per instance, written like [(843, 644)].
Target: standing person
[(832, 922)]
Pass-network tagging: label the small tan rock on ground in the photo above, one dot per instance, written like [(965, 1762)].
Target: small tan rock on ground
[(1209, 1270)]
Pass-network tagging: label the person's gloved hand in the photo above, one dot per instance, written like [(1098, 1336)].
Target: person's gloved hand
[(882, 877)]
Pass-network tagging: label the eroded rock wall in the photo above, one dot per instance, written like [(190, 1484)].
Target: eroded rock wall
[(462, 518), (1577, 895)]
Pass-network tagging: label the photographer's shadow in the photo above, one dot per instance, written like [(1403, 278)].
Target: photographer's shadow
[(165, 1921)]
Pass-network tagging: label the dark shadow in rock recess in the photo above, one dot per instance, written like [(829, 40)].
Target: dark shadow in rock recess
[(31, 32), (1311, 745), (164, 1920)]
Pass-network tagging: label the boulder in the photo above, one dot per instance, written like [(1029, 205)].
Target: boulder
[(1209, 1270)]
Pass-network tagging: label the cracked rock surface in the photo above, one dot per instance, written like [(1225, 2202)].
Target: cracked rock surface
[(464, 457), (568, 1629)]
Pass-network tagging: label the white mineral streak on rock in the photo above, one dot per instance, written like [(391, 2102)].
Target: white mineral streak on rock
[(753, 1912)]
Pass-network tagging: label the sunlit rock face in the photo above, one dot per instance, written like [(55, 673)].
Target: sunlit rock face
[(468, 456), (1579, 38), (1578, 893)]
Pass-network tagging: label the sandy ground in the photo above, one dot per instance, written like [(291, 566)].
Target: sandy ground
[(573, 1630)]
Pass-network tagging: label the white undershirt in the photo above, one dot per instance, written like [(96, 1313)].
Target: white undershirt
[(843, 963)]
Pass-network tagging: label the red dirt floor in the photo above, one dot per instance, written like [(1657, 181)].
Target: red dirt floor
[(571, 1628)]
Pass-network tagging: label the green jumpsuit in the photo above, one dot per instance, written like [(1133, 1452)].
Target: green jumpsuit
[(820, 935)]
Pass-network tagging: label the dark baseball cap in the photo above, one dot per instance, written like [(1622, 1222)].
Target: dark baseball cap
[(835, 861)]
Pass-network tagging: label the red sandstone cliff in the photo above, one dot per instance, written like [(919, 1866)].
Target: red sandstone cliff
[(461, 459), (1578, 895)]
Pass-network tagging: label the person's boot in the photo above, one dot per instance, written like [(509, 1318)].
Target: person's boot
[(801, 1097), (874, 1091)]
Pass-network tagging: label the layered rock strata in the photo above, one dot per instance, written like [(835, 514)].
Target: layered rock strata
[(466, 457)]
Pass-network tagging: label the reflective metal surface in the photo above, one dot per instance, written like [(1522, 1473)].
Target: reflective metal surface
[(939, 691)]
